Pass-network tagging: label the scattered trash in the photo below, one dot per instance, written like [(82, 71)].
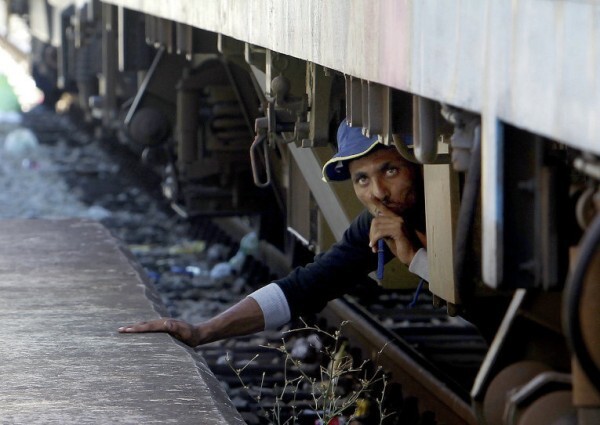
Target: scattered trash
[(20, 142), (194, 270), (152, 275), (221, 273), (139, 249), (307, 349), (96, 212), (216, 253), (224, 359), (237, 262), (249, 244), (8, 99), (10, 117), (181, 248), (29, 164), (187, 247), (338, 420)]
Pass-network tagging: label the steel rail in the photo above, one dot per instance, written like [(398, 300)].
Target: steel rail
[(416, 380)]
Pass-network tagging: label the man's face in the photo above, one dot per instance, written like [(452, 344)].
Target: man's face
[(385, 176)]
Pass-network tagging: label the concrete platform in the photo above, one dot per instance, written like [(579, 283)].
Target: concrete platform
[(65, 287)]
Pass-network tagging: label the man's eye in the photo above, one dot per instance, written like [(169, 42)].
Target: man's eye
[(361, 181), (392, 171)]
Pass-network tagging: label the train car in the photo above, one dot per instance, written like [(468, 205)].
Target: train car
[(235, 104)]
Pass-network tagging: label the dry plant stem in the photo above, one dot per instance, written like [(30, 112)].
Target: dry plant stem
[(326, 404), (238, 373)]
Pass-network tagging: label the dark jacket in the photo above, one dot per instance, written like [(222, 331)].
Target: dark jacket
[(308, 289)]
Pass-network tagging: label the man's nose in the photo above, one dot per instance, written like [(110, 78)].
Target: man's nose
[(379, 189)]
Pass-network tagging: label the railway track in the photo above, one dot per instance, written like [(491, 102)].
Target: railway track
[(429, 358)]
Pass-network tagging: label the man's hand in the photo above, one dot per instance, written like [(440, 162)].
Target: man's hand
[(243, 318), (402, 241), (185, 332)]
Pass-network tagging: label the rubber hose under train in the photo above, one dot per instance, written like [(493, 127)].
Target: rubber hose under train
[(466, 217), (572, 302)]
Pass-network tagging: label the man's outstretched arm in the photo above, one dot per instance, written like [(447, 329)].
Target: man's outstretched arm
[(245, 317)]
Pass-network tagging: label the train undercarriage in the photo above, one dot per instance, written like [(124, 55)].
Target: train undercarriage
[(235, 106)]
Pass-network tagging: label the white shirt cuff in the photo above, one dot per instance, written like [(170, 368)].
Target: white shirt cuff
[(419, 264), (272, 302)]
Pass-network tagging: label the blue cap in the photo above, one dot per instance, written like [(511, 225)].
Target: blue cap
[(351, 145)]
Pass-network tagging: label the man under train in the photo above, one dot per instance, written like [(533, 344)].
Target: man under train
[(391, 189)]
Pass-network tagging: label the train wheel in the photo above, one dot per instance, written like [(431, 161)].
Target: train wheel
[(510, 378), (555, 408)]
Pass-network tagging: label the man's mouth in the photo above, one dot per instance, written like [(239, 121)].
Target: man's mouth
[(395, 207)]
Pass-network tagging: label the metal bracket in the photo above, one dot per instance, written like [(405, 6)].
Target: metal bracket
[(544, 383), (143, 86), (260, 140), (467, 127)]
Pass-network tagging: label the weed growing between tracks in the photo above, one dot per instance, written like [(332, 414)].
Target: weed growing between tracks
[(330, 400)]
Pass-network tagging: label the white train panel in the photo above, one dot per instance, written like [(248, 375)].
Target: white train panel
[(531, 63)]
